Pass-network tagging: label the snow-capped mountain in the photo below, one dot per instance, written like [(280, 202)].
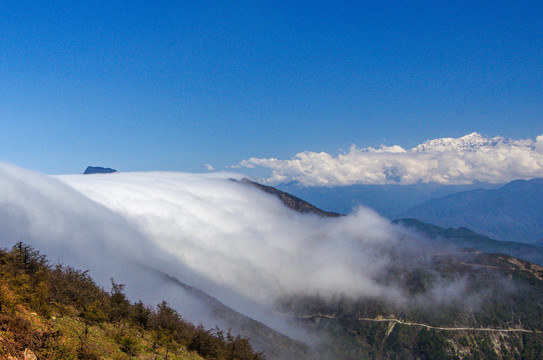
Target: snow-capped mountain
[(470, 142), (446, 161)]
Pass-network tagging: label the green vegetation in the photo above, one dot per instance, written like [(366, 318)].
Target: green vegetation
[(498, 292), (58, 312)]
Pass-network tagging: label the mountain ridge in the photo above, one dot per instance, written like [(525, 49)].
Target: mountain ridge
[(512, 212), (263, 338), (465, 238), (291, 201)]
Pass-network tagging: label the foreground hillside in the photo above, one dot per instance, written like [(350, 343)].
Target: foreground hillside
[(57, 312)]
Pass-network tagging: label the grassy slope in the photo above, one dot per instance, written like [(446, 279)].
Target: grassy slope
[(59, 313), (62, 338)]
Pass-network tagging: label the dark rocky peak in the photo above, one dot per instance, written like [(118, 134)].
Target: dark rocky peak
[(98, 170), (291, 201)]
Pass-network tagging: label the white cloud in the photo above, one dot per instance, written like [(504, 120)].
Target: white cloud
[(220, 235), (209, 167), (238, 237), (214, 233), (445, 161), (234, 241), (539, 144)]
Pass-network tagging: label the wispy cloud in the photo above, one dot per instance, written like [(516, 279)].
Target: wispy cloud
[(445, 161)]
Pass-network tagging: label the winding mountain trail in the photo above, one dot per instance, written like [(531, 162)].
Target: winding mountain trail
[(444, 328), (397, 321)]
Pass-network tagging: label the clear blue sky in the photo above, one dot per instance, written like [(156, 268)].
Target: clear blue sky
[(173, 85)]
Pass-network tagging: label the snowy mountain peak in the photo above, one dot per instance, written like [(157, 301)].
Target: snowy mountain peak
[(470, 142)]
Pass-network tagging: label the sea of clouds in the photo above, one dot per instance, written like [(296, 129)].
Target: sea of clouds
[(449, 162), (236, 236), (225, 237), (228, 238)]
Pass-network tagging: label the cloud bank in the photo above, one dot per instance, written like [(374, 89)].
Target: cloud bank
[(230, 239), (445, 161), (220, 235), (235, 236)]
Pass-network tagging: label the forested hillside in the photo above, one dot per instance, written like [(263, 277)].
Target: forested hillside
[(493, 312), (58, 312)]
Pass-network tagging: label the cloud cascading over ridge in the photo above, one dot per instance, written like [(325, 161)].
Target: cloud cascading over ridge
[(239, 237), (444, 161), (204, 229), (230, 239), (201, 228)]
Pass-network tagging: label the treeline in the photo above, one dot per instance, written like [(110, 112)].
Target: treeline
[(29, 281)]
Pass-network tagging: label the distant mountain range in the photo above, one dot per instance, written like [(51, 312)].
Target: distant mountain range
[(388, 200), (462, 237), (513, 212), (393, 198)]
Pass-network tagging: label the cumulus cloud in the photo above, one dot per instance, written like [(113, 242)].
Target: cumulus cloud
[(444, 161), (539, 144)]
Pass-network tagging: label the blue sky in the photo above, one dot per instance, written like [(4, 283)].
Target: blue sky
[(174, 85)]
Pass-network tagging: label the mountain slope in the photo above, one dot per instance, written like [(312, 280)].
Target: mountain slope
[(290, 200), (496, 314), (465, 238), (58, 312), (272, 343), (491, 307), (513, 212)]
